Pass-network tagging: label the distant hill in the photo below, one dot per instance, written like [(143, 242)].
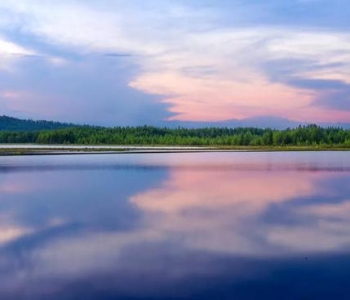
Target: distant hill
[(13, 124), (256, 122)]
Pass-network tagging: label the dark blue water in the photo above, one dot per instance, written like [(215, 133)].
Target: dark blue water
[(176, 226)]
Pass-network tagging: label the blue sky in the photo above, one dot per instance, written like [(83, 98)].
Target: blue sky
[(148, 62)]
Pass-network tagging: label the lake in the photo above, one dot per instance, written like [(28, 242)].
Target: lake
[(239, 225)]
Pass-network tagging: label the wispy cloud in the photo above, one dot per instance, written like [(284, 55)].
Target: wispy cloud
[(10, 53)]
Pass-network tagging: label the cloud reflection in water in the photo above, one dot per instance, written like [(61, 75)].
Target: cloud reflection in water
[(189, 225)]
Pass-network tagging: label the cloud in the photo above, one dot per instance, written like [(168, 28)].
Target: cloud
[(199, 66), (74, 92), (238, 85), (338, 99), (10, 53)]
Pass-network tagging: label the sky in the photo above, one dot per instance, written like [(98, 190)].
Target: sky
[(136, 62)]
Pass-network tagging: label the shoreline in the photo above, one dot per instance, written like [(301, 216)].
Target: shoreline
[(22, 150)]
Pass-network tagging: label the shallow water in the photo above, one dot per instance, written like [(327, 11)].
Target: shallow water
[(176, 226)]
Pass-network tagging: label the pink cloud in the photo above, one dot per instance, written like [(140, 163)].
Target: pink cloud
[(215, 99)]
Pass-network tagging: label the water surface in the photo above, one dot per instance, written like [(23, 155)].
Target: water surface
[(176, 226)]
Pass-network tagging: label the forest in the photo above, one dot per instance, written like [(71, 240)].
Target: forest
[(15, 124), (310, 135)]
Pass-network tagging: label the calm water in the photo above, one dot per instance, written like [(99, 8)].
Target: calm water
[(176, 226)]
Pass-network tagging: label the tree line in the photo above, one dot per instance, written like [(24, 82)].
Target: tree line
[(310, 135), (14, 124)]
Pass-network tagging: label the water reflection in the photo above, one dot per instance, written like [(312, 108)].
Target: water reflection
[(193, 226)]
